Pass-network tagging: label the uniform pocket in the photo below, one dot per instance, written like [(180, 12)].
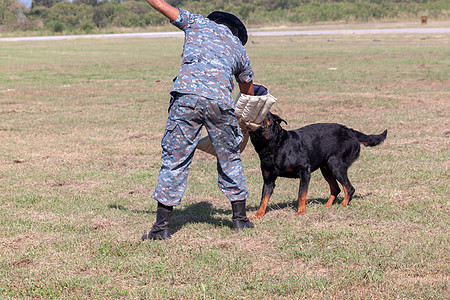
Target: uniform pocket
[(181, 101), (170, 133), (180, 132)]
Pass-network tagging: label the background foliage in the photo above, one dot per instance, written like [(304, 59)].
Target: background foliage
[(88, 15)]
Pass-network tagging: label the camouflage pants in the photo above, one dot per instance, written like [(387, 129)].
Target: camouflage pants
[(187, 115)]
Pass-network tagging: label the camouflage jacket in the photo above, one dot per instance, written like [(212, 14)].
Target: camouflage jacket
[(212, 55)]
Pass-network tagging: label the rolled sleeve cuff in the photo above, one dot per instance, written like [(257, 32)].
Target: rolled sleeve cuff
[(245, 77), (181, 20)]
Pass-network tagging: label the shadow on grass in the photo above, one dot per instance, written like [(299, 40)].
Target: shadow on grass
[(204, 212)]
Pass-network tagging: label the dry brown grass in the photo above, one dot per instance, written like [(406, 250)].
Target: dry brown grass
[(81, 124)]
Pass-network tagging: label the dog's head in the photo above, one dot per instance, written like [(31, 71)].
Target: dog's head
[(270, 129)]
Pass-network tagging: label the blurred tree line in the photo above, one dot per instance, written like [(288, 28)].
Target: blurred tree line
[(89, 15)]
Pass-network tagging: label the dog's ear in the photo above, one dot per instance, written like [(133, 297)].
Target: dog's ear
[(278, 120)]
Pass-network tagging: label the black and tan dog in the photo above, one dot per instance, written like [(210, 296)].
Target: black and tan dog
[(297, 153)]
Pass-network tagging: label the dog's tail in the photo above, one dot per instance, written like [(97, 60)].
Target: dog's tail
[(370, 140)]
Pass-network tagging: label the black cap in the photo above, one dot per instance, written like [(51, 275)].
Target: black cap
[(232, 22)]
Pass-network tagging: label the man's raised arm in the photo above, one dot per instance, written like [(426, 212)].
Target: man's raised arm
[(166, 9)]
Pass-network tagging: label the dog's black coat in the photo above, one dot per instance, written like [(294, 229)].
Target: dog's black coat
[(297, 153)]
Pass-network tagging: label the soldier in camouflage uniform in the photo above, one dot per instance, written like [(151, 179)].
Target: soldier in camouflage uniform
[(201, 96)]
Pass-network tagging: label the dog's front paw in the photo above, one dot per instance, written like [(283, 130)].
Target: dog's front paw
[(257, 216)]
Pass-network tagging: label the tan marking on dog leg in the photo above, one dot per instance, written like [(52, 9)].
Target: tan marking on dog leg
[(330, 201), (334, 191), (262, 209), (302, 204), (345, 202)]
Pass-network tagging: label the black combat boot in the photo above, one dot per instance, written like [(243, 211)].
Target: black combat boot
[(240, 220), (160, 230)]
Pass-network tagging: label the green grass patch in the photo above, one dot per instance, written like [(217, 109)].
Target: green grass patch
[(80, 131)]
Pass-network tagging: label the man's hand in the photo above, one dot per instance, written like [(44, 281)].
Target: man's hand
[(166, 9)]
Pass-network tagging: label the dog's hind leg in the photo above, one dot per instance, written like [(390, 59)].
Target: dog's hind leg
[(339, 170), (334, 186), (305, 177), (348, 192), (266, 193)]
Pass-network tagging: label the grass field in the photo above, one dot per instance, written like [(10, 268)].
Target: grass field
[(80, 129)]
